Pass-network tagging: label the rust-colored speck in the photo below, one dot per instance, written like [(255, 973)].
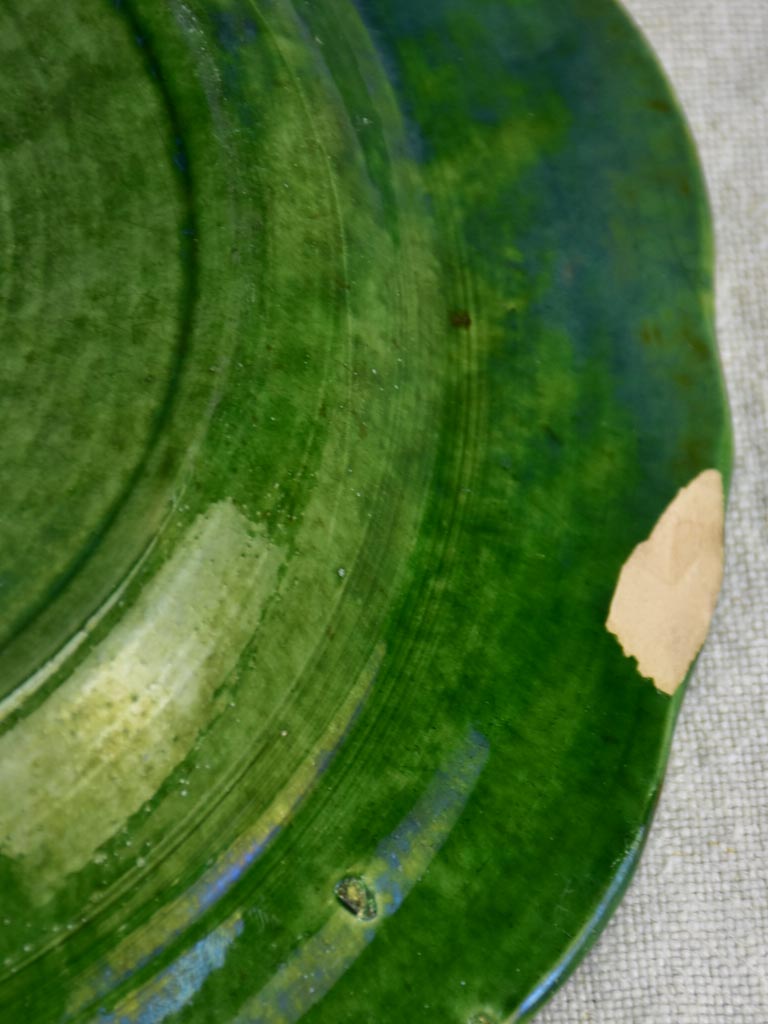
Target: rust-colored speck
[(461, 318)]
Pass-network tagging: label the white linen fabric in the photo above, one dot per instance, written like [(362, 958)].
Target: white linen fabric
[(689, 944)]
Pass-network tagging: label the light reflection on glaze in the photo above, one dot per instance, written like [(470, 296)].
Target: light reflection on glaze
[(400, 862), (174, 987), (76, 768), (215, 883), (144, 945)]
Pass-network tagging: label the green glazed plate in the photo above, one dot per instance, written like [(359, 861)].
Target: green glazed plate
[(350, 348)]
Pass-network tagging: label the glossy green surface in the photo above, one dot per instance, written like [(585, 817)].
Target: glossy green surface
[(348, 349)]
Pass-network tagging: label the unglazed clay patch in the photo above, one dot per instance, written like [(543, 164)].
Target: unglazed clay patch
[(668, 587)]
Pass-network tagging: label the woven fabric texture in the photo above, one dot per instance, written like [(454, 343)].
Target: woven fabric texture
[(689, 945)]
